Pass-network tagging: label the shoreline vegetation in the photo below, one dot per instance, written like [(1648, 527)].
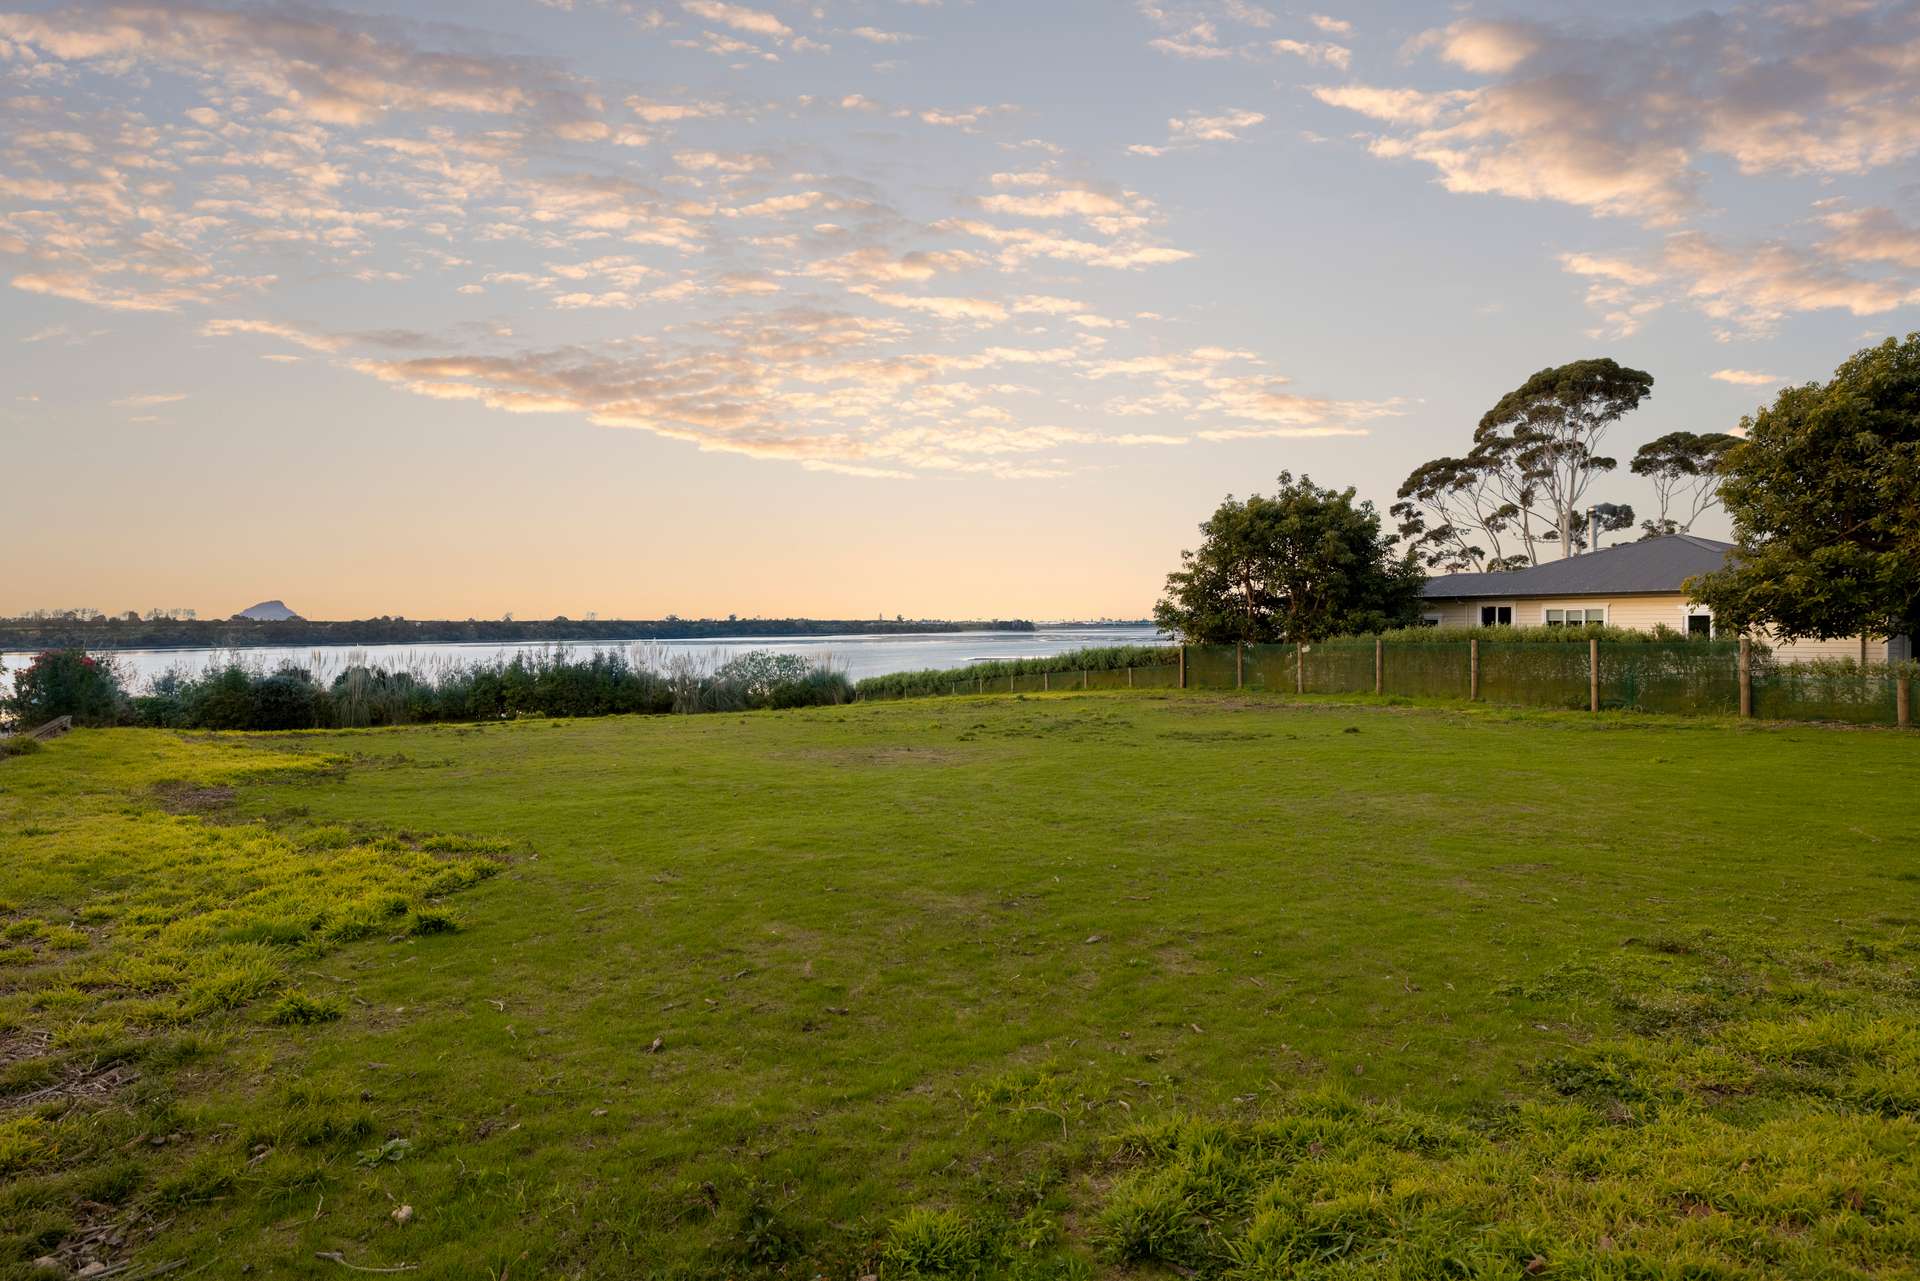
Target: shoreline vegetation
[(237, 695), (108, 633)]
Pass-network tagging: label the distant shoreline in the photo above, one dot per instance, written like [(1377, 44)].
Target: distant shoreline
[(117, 634)]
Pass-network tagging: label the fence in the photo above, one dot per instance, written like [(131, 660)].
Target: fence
[(1686, 677)]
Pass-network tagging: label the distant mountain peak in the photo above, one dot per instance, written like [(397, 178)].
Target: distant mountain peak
[(268, 611)]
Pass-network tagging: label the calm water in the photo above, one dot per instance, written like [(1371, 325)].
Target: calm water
[(858, 656)]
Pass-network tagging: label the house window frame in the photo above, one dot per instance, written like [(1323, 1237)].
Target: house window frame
[(1432, 619), (1605, 608), (1513, 612), (1687, 614)]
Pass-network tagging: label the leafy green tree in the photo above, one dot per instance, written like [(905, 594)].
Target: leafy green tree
[(1304, 564), (1824, 492), (1684, 467), (1550, 428)]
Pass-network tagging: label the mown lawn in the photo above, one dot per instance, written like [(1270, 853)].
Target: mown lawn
[(1043, 987)]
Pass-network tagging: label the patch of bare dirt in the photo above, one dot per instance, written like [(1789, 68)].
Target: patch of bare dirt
[(189, 798)]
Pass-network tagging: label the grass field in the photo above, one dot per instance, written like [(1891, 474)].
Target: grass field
[(1059, 986)]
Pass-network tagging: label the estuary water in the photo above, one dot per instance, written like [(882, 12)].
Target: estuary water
[(857, 656)]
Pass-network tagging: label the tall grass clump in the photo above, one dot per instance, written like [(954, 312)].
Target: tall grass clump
[(1110, 658)]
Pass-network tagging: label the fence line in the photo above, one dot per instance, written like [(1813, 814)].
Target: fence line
[(1687, 677)]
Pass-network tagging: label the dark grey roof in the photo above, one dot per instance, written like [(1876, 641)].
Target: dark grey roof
[(1654, 565)]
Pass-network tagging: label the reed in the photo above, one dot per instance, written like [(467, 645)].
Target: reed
[(942, 681)]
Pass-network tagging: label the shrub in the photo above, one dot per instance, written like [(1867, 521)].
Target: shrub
[(553, 682), (1108, 658), (66, 682)]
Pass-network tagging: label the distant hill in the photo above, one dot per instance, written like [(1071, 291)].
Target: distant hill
[(268, 611)]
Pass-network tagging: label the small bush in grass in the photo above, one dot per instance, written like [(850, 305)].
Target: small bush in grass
[(297, 1009), (24, 1142), (936, 1243), (428, 922)]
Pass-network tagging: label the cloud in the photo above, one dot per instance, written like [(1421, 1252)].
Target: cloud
[(1188, 131), (1746, 288), (315, 68), (1055, 204), (1745, 378), (1332, 26), (1621, 123), (1319, 53), (982, 310), (874, 35), (655, 113), (1874, 235), (272, 329), (150, 399), (1396, 106), (753, 22)]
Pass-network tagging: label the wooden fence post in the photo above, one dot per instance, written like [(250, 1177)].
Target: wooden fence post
[(1183, 667), (1473, 669), (1903, 702), (1084, 682), (1379, 663), (1239, 664), (1746, 678), (1593, 674), (1299, 667), (1046, 682)]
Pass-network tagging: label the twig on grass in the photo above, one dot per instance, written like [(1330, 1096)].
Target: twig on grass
[(334, 1256)]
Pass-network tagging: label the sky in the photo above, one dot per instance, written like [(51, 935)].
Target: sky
[(851, 308)]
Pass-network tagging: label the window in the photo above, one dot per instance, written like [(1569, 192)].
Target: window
[(1496, 616), (1700, 625), (1576, 617), (1430, 620)]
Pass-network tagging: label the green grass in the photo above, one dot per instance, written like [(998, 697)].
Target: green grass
[(1044, 987)]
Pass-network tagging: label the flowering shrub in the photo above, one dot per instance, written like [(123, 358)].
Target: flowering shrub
[(65, 682)]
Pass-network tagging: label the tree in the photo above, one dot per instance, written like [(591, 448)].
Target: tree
[(1824, 492), (1304, 564), (1454, 513), (1552, 426), (1684, 467), (1535, 455)]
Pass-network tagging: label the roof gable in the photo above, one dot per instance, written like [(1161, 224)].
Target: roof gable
[(1652, 565)]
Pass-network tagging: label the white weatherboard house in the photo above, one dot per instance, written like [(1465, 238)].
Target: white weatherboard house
[(1633, 585)]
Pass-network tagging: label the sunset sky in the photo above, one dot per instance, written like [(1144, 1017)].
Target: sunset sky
[(857, 307)]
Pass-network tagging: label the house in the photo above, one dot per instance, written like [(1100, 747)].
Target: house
[(1632, 585)]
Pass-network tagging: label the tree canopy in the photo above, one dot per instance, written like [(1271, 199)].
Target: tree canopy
[(1305, 564), (1824, 492), (1684, 467), (1535, 455), (1553, 425)]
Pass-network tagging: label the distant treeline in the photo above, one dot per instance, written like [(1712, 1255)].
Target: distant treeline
[(128, 633)]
